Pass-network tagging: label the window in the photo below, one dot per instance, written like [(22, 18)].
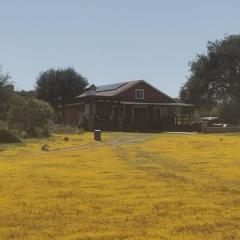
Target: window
[(139, 93)]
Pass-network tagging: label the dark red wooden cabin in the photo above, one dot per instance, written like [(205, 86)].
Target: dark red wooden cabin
[(128, 106)]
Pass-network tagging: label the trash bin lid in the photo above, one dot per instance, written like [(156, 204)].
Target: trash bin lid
[(97, 130)]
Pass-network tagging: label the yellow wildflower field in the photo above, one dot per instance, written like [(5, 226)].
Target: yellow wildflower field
[(129, 186)]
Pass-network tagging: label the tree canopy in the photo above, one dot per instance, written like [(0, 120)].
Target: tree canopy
[(59, 86), (6, 93), (215, 78)]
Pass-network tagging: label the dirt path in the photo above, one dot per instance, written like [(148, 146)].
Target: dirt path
[(116, 139)]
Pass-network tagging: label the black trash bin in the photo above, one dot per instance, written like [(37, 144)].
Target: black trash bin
[(97, 135)]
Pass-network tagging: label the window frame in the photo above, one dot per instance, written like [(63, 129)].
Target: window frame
[(136, 93)]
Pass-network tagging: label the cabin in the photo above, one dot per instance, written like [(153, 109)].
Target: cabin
[(128, 106)]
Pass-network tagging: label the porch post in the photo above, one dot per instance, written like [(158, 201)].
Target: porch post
[(92, 110), (132, 116), (147, 116), (119, 117)]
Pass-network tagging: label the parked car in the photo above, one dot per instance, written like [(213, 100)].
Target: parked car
[(210, 120)]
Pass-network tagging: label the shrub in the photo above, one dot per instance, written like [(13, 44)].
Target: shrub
[(81, 130), (6, 136), (31, 116), (64, 129), (3, 125)]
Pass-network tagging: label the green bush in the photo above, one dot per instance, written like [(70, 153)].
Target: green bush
[(3, 125), (6, 136), (31, 116), (65, 129)]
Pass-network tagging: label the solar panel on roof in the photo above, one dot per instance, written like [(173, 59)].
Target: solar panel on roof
[(110, 87)]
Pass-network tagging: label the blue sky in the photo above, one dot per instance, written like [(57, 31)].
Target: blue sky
[(110, 41)]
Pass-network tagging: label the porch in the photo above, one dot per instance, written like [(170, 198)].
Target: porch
[(119, 115)]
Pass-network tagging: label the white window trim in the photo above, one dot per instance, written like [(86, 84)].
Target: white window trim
[(141, 90)]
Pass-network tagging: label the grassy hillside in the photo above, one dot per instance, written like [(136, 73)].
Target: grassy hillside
[(130, 186)]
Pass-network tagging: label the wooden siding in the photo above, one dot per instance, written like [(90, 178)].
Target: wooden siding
[(151, 95)]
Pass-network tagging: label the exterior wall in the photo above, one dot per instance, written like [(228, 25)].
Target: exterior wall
[(103, 113), (103, 109), (72, 113), (150, 94)]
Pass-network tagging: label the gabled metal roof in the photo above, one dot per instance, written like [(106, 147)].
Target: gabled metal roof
[(110, 87), (113, 90)]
